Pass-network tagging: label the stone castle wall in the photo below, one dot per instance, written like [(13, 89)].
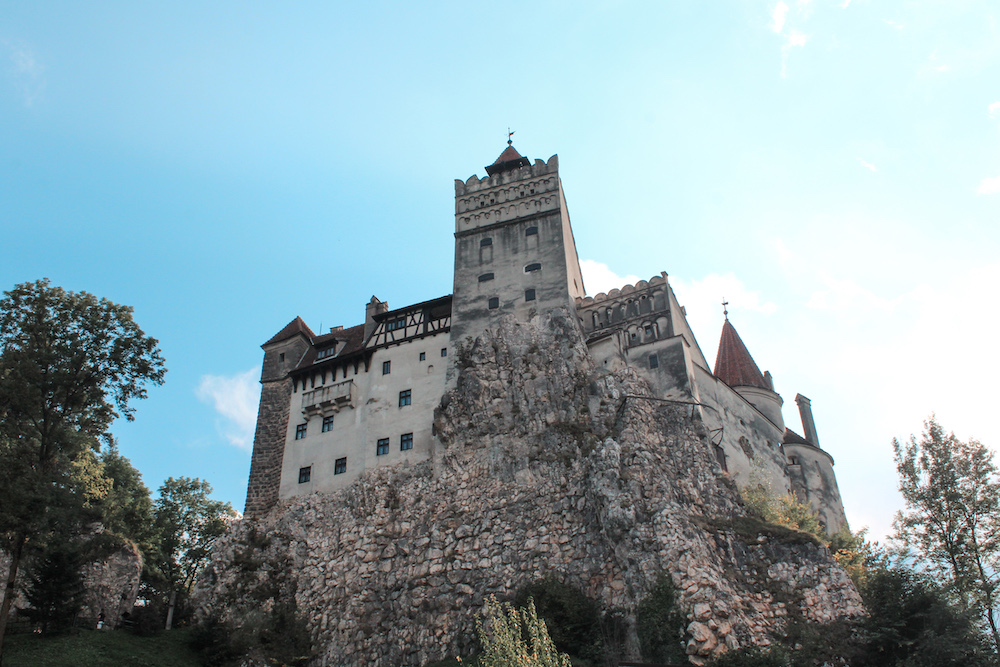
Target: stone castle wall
[(550, 466), (268, 446)]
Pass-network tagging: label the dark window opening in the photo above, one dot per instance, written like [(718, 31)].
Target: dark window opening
[(529, 295), (531, 231), (444, 352), (281, 357), (305, 474), (404, 397), (493, 303), (423, 356), (405, 442), (654, 361), (382, 447), (340, 466), (533, 267), (386, 367), (398, 323), (300, 431), (327, 424), (486, 276), (485, 242)]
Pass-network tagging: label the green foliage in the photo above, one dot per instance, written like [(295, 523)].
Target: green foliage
[(100, 648), (126, 509), (573, 620), (55, 591), (260, 616), (952, 516), (187, 523), (784, 510), (516, 637), (752, 657), (660, 624), (912, 623), (70, 363)]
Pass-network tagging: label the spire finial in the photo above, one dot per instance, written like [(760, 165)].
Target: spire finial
[(510, 142), (725, 311)]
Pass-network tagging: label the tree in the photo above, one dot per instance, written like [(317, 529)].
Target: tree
[(70, 363), (187, 524), (127, 509), (516, 637), (952, 515)]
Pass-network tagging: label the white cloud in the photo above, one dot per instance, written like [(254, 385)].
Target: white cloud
[(867, 165), (778, 17), (597, 277), (989, 186), (994, 109), (845, 4), (26, 70), (893, 24), (795, 38), (235, 398), (702, 299)]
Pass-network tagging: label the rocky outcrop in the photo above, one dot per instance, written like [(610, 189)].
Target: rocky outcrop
[(549, 466)]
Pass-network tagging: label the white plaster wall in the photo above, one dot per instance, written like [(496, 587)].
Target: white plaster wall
[(375, 414), (813, 478)]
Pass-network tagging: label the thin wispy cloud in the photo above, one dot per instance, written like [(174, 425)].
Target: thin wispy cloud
[(867, 165), (989, 186), (893, 24), (778, 16), (598, 277), (994, 109), (25, 70), (235, 398), (795, 39)]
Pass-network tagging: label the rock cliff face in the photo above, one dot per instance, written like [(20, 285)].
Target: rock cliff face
[(549, 466)]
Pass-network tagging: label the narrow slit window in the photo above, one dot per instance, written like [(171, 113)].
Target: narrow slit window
[(654, 361)]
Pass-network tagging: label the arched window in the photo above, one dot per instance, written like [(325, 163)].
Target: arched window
[(534, 266)]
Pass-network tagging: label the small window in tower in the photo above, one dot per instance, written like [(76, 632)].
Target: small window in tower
[(444, 352), (405, 442), (485, 277), (281, 357), (423, 356), (494, 303), (382, 447), (386, 367), (535, 266), (327, 424), (305, 474), (405, 397), (340, 466), (531, 231), (654, 361), (485, 242), (300, 431), (529, 295)]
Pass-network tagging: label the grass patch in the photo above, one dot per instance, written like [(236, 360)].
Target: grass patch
[(749, 527), (96, 648)]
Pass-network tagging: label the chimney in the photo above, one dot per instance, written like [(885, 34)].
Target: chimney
[(808, 425), (336, 329), (374, 307)]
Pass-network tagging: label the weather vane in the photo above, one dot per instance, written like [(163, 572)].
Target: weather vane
[(725, 311), (510, 142)]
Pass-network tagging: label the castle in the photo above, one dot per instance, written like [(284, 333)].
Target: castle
[(336, 404)]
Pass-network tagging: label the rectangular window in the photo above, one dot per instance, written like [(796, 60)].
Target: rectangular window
[(485, 277), (340, 466), (494, 303), (405, 442), (444, 352), (305, 474), (398, 323), (529, 295), (531, 231), (386, 366), (423, 356), (485, 242), (404, 397), (300, 431), (654, 361), (382, 448), (327, 424), (534, 266)]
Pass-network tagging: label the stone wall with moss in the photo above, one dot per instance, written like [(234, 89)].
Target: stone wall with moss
[(548, 466)]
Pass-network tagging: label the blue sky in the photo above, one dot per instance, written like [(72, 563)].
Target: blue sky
[(830, 168)]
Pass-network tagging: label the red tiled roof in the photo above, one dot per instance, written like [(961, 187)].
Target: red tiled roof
[(509, 154), (733, 364), (509, 159), (295, 327), (353, 339)]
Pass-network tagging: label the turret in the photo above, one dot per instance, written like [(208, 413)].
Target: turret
[(810, 470), (735, 367)]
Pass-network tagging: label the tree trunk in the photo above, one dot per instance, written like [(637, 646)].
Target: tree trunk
[(170, 609), (8, 596)]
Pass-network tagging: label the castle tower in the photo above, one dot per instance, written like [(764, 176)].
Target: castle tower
[(514, 247), (735, 367), (281, 354), (810, 470)]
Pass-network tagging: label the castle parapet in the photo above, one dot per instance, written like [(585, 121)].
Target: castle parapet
[(328, 399)]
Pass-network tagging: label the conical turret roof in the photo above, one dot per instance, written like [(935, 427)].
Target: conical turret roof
[(733, 364)]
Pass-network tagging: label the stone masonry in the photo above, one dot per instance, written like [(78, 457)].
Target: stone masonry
[(550, 466)]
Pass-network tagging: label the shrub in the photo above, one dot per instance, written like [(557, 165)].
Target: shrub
[(660, 624), (573, 620), (513, 637)]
